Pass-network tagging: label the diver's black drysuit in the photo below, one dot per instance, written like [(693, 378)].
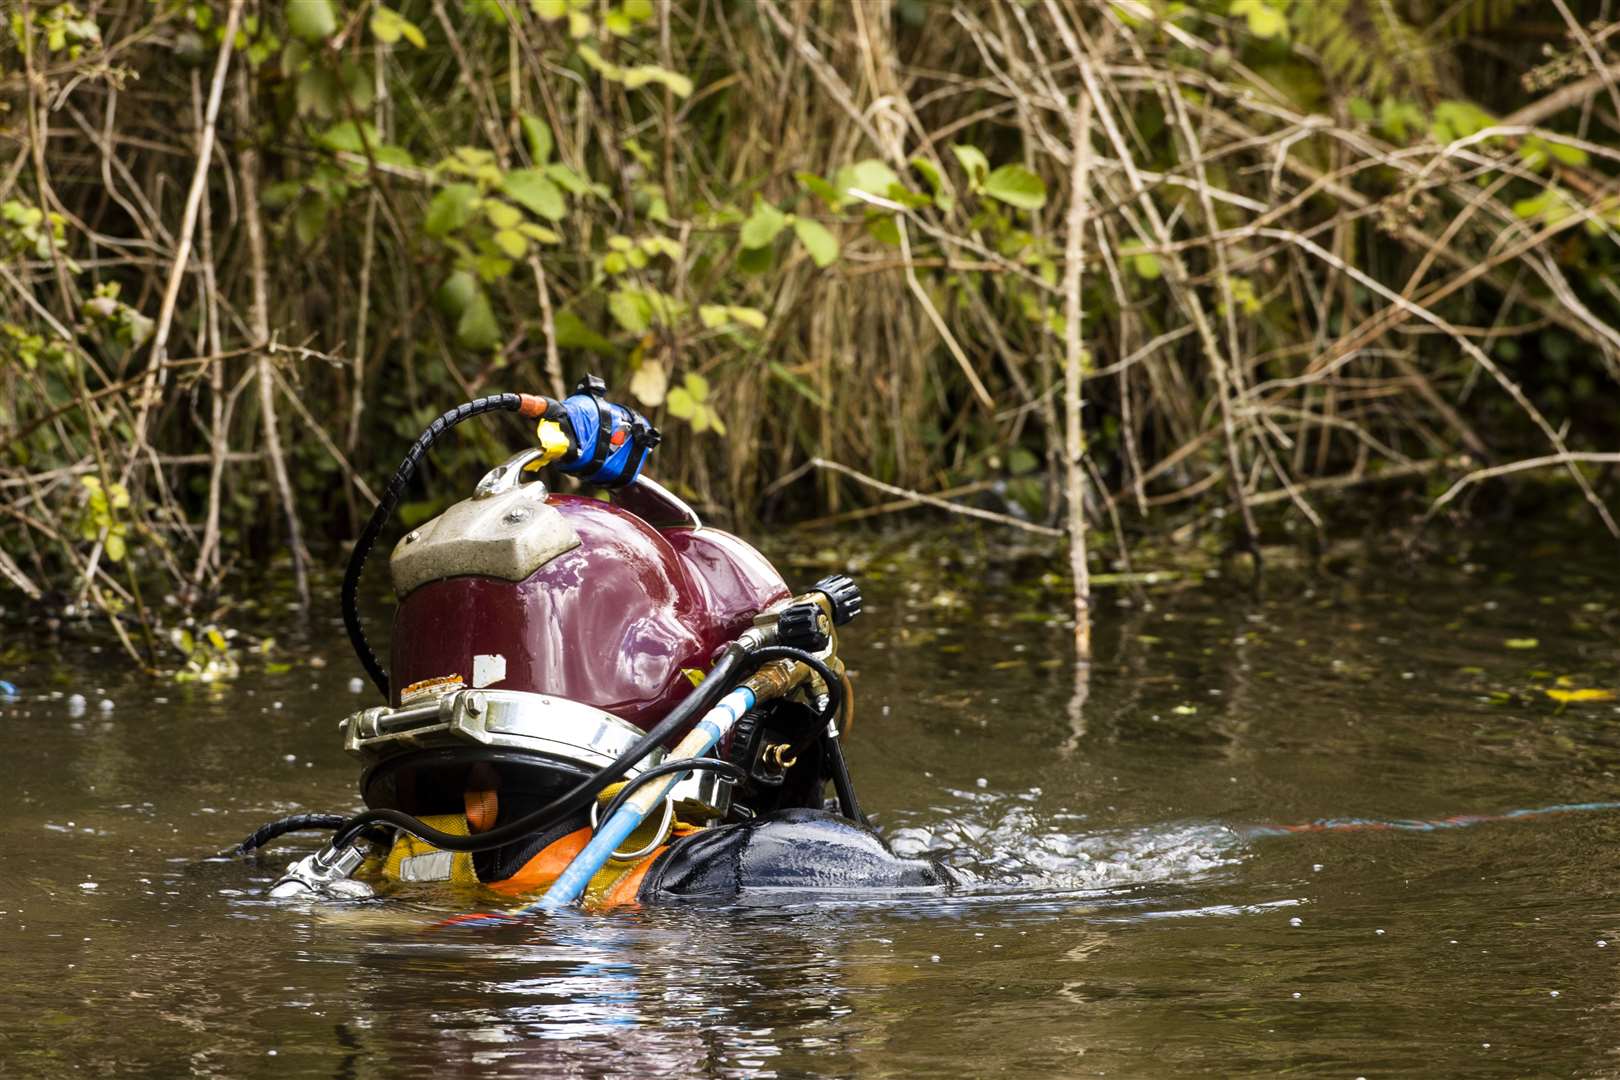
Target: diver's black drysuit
[(788, 851)]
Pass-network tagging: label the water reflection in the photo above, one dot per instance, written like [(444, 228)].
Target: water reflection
[(1125, 918)]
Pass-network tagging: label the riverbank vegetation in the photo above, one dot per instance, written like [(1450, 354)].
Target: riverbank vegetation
[(1142, 267)]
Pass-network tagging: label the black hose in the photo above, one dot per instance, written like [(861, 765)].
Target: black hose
[(385, 510), (664, 768), (848, 804), (835, 685), (296, 823), (700, 700)]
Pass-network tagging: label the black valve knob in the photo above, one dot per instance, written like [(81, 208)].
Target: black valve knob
[(844, 594), (799, 626)]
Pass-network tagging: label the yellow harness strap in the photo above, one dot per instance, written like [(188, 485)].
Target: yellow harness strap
[(615, 885), (416, 860)]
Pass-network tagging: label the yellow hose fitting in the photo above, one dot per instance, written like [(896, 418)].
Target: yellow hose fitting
[(554, 443)]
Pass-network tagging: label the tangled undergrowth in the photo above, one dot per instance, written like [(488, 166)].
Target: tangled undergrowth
[(1132, 266)]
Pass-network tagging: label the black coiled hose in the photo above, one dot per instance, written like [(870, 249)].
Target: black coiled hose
[(385, 510), (296, 823)]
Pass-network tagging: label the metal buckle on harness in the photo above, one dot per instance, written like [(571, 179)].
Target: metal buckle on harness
[(542, 724)]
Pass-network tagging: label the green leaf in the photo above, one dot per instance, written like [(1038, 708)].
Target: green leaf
[(572, 333), (451, 208), (309, 220), (477, 329), (630, 310), (317, 93), (114, 547), (502, 215), (756, 260), (661, 245), (491, 265), (567, 179), (539, 233), (512, 242), (549, 10), (715, 316), (537, 133), (936, 182), (1016, 186), (1522, 643), (1458, 120), (817, 240), (869, 175), (680, 404), (1265, 21), (818, 187), (347, 136), (906, 197), (973, 162), (311, 20), (388, 26), (1565, 154), (642, 74), (762, 225), (747, 316), (1398, 119), (456, 293), (1550, 206), (1144, 264), (884, 229), (537, 194), (639, 10), (600, 64)]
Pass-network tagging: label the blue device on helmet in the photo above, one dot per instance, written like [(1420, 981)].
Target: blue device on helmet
[(611, 441)]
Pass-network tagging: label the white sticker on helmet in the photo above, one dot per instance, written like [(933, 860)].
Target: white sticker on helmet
[(488, 669)]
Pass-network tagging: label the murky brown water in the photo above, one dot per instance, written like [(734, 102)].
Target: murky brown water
[(1132, 922)]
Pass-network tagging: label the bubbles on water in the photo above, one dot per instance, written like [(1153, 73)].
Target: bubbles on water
[(1552, 993), (1602, 944), (106, 705), (76, 704), (1380, 933), (1296, 921), (1003, 839), (355, 685)]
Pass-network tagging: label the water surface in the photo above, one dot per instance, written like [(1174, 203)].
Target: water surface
[(1132, 920)]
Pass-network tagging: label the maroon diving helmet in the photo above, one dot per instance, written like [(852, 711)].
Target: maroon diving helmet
[(547, 645)]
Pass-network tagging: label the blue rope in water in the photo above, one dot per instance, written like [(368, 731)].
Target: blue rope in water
[(1460, 821)]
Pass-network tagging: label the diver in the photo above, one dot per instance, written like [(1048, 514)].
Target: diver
[(596, 700)]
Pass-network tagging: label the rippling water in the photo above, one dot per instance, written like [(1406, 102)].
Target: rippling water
[(1126, 916)]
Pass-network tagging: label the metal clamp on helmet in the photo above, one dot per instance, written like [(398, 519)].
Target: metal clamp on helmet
[(611, 441)]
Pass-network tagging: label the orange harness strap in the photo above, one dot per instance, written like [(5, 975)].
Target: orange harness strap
[(613, 887)]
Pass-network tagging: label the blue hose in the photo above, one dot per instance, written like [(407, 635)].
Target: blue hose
[(702, 738)]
